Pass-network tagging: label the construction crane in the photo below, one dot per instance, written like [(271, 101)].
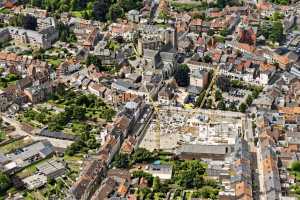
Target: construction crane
[(157, 127), (136, 51), (157, 110), (157, 124)]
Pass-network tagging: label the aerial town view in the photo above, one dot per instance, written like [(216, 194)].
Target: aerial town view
[(149, 99)]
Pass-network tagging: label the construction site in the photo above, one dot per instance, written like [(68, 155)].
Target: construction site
[(173, 127)]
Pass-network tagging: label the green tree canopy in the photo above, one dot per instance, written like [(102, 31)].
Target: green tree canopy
[(100, 9), (221, 105), (142, 155), (25, 21), (182, 75), (4, 182), (242, 107), (276, 34), (115, 12), (121, 161), (295, 166)]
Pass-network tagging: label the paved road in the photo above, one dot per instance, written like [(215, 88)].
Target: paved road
[(16, 124), (209, 112)]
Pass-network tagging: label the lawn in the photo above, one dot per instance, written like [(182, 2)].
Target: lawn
[(54, 62), (4, 11), (3, 135), (15, 145), (28, 171), (80, 14), (74, 162), (31, 169), (23, 119), (10, 79), (76, 14)]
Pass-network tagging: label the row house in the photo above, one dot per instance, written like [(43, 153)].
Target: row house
[(68, 67), (112, 138), (196, 25), (266, 71), (129, 145), (36, 12), (268, 166), (242, 10), (88, 181), (125, 30), (92, 39)]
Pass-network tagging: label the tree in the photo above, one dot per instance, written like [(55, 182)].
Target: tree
[(276, 34), (140, 174), (92, 143), (243, 107), (85, 15), (232, 106), (65, 34), (182, 75), (164, 15), (128, 5), (200, 98), (36, 3), (256, 92), (100, 9), (207, 59), (188, 174), (223, 83), (156, 184), (208, 104), (221, 105), (121, 161), (27, 21), (264, 29), (2, 136), (277, 16), (74, 4), (295, 166), (218, 95), (115, 12), (249, 100), (210, 32), (141, 155), (280, 2), (4, 182), (91, 59), (206, 192), (224, 32), (221, 3)]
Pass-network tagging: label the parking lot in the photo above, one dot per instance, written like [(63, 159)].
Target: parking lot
[(237, 96)]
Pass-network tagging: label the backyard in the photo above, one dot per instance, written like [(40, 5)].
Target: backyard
[(188, 178), (19, 143), (68, 112)]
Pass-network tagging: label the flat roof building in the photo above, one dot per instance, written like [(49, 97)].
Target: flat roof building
[(35, 181), (164, 172), (52, 168)]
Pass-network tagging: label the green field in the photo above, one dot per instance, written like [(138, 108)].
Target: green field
[(15, 145)]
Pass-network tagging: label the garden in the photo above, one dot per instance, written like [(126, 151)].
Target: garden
[(188, 178), (230, 95)]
